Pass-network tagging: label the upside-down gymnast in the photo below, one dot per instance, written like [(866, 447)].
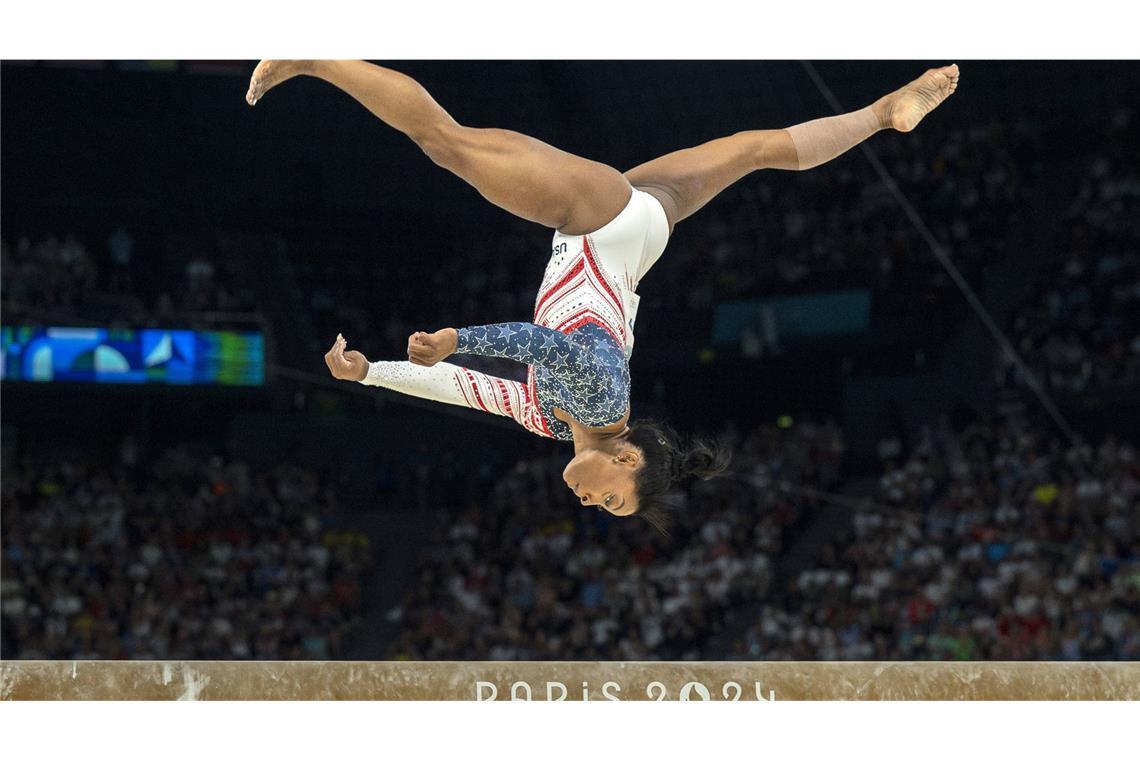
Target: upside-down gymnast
[(610, 228)]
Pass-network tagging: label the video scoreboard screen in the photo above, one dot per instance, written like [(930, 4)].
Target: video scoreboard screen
[(132, 356), (805, 316)]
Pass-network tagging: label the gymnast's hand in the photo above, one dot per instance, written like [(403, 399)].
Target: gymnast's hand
[(427, 349), (346, 365)]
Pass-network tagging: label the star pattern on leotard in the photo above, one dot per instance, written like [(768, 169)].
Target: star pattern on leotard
[(548, 342), (479, 345), (584, 372)]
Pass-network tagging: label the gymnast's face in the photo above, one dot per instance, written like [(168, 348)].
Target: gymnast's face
[(605, 479)]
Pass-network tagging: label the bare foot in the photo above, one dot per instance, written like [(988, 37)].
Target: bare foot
[(269, 74), (904, 108)]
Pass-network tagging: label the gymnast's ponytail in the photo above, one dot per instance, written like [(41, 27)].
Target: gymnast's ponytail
[(668, 461)]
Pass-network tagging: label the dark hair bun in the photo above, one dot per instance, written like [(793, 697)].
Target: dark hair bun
[(668, 461), (705, 459)]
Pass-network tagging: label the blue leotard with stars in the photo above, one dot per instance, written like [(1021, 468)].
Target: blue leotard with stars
[(585, 372)]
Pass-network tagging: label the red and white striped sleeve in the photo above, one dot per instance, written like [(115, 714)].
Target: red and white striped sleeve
[(451, 384)]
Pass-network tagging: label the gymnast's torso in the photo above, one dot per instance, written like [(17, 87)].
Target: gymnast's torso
[(576, 347)]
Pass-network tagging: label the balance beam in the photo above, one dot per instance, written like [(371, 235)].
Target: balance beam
[(481, 681)]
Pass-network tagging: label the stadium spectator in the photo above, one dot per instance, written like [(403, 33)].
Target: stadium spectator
[(199, 558), (995, 543), (52, 281), (529, 574), (1079, 328)]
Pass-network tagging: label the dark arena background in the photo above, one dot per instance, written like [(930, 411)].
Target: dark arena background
[(182, 480)]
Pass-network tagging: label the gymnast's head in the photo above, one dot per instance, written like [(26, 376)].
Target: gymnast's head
[(634, 473)]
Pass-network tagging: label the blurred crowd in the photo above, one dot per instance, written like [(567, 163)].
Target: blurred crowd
[(528, 573), (49, 279), (196, 557), (1079, 329), (997, 542)]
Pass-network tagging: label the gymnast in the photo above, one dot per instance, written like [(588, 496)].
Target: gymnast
[(609, 230)]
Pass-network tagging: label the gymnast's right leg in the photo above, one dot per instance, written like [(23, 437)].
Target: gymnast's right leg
[(517, 173), (685, 180)]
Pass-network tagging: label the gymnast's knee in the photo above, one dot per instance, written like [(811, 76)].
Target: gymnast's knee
[(445, 144), (771, 149)]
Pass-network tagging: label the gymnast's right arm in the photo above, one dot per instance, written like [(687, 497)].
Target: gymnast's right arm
[(443, 382)]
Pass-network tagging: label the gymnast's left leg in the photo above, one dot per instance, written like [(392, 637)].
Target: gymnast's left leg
[(686, 180), (516, 172)]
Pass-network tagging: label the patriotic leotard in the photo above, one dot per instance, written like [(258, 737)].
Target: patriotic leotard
[(578, 346)]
